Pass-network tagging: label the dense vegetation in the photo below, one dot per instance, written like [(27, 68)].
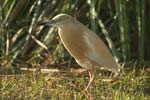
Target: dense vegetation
[(123, 25)]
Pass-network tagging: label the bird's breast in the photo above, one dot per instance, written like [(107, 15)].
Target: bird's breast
[(74, 42)]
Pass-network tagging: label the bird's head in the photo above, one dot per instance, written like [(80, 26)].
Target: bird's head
[(58, 20)]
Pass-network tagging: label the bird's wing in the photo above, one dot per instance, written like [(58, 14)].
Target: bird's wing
[(98, 52)]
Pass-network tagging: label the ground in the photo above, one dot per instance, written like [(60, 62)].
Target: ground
[(34, 85)]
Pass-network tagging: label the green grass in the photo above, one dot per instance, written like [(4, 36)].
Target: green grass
[(58, 86)]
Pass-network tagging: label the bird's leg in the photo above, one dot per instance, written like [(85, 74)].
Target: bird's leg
[(92, 76)]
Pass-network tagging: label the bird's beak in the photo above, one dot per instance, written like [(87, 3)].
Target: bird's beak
[(49, 23)]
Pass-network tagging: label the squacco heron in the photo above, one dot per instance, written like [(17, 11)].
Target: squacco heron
[(85, 46)]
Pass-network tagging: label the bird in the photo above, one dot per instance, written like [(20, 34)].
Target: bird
[(85, 46)]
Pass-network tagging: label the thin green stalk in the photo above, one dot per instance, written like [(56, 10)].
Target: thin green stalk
[(5, 31), (1, 35), (93, 15), (124, 30), (9, 11), (141, 28), (32, 27)]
